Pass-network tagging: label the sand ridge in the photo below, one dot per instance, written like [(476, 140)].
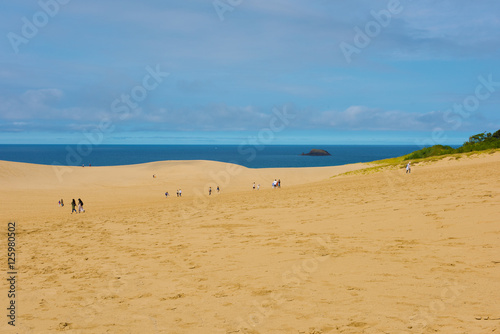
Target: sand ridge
[(364, 253)]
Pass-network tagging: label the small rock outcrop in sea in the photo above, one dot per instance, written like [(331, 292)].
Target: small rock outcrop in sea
[(317, 153)]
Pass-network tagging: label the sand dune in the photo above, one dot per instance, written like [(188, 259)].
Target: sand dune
[(367, 253)]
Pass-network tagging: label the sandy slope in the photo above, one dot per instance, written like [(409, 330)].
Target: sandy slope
[(377, 253)]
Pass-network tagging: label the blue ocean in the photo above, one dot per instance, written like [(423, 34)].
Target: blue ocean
[(269, 156)]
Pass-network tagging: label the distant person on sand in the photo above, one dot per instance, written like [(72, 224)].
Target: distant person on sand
[(408, 168), (180, 192), (73, 206), (279, 183), (253, 187), (258, 186), (166, 194), (209, 191), (80, 206), (218, 189)]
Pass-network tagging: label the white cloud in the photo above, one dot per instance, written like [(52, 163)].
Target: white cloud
[(30, 104), (226, 75), (374, 119)]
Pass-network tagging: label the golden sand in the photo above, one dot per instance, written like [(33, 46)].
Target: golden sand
[(385, 252)]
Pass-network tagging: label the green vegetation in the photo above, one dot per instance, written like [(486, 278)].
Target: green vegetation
[(432, 151), (480, 142), (483, 143)]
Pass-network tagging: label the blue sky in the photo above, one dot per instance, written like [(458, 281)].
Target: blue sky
[(218, 72)]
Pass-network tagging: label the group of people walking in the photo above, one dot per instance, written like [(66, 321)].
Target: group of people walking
[(275, 184), (80, 206), (74, 205), (210, 190), (179, 193)]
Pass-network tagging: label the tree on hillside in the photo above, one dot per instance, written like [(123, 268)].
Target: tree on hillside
[(483, 137), (480, 137), (480, 142)]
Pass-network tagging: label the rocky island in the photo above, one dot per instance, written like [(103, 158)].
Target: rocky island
[(317, 153)]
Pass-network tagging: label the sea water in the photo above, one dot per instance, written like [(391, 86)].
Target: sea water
[(265, 156)]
